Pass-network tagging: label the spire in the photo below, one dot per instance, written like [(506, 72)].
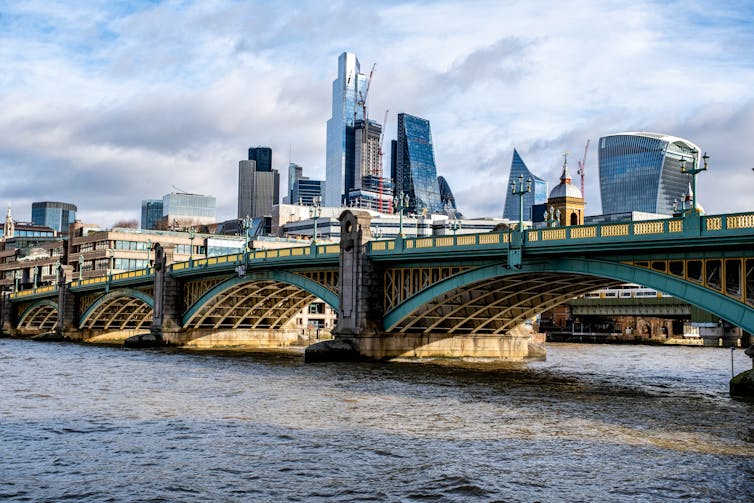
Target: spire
[(8, 227), (565, 177)]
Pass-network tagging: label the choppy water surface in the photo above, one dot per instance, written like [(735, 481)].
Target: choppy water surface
[(593, 423)]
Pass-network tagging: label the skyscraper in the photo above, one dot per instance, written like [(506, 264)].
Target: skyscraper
[(151, 213), (295, 173), (446, 195), (180, 209), (53, 214), (263, 158), (345, 93), (641, 171), (258, 190), (537, 195), (415, 171)]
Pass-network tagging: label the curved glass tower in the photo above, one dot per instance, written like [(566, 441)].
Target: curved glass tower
[(415, 171), (537, 195), (642, 171)]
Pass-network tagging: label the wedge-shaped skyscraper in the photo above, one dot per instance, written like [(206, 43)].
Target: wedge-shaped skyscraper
[(537, 195)]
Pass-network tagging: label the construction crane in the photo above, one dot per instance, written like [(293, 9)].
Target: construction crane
[(582, 168), (381, 154)]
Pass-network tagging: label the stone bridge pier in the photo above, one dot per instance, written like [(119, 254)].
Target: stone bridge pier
[(359, 333)]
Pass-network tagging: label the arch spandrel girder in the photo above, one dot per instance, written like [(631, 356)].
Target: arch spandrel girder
[(612, 272), (131, 307), (298, 286), (40, 314)]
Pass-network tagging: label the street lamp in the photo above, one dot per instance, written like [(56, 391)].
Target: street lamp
[(377, 232), (554, 217), (519, 191), (57, 272), (81, 267), (17, 277), (192, 235), (149, 252), (454, 225), (693, 171), (34, 276), (399, 205), (315, 210), (246, 223)]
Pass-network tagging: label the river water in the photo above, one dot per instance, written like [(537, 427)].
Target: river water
[(592, 423)]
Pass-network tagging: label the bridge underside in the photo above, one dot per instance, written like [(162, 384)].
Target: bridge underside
[(497, 305), (38, 320), (258, 305), (119, 313)]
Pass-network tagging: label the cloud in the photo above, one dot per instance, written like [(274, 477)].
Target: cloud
[(105, 104)]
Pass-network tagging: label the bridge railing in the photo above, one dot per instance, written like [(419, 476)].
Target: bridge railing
[(596, 233), (114, 278), (32, 292), (258, 255)]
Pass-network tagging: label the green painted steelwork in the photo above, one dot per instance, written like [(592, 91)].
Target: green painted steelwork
[(726, 308), (34, 306), (135, 294), (301, 282)]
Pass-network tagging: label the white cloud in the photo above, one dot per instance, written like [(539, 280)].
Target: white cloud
[(104, 105)]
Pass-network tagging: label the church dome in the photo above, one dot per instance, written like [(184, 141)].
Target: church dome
[(565, 188)]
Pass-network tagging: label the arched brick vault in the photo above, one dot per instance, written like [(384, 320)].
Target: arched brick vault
[(493, 299)]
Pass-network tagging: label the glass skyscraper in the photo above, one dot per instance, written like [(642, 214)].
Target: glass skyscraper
[(415, 171), (345, 93), (53, 214), (151, 213), (537, 195), (642, 171)]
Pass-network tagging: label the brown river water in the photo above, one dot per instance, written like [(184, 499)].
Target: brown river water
[(592, 423)]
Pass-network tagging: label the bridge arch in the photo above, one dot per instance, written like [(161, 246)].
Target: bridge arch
[(260, 300), (119, 310), (39, 315), (510, 296)]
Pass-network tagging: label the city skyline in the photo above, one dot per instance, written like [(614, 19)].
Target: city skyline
[(115, 97)]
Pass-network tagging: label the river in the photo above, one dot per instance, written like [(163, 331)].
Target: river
[(592, 423)]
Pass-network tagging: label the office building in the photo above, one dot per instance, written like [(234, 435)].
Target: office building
[(151, 213), (258, 190), (536, 196), (263, 157), (447, 199), (295, 172), (180, 210), (346, 87), (55, 215), (305, 190), (641, 171), (415, 172)]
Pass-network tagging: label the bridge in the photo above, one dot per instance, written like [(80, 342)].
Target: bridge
[(468, 295)]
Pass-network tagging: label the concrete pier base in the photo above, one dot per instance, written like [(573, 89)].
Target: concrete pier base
[(510, 347)]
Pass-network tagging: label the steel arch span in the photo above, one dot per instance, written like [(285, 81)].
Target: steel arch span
[(493, 299), (41, 315), (260, 300), (119, 310)]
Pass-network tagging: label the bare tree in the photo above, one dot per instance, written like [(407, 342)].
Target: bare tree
[(126, 224)]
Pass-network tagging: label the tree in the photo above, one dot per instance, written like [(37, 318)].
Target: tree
[(126, 224)]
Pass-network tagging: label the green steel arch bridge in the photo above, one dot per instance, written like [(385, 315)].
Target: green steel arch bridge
[(451, 296)]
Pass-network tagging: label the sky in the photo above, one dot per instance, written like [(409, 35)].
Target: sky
[(106, 103)]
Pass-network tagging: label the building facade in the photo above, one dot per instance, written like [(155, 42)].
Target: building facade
[(53, 214), (263, 157), (345, 93), (415, 171), (180, 210), (537, 195), (258, 190), (151, 213), (641, 171)]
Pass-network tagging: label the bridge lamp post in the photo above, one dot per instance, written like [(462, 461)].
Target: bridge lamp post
[(693, 171), (315, 211), (57, 273), (454, 225), (519, 190), (149, 251), (399, 205), (17, 277), (81, 267), (246, 224), (192, 235)]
